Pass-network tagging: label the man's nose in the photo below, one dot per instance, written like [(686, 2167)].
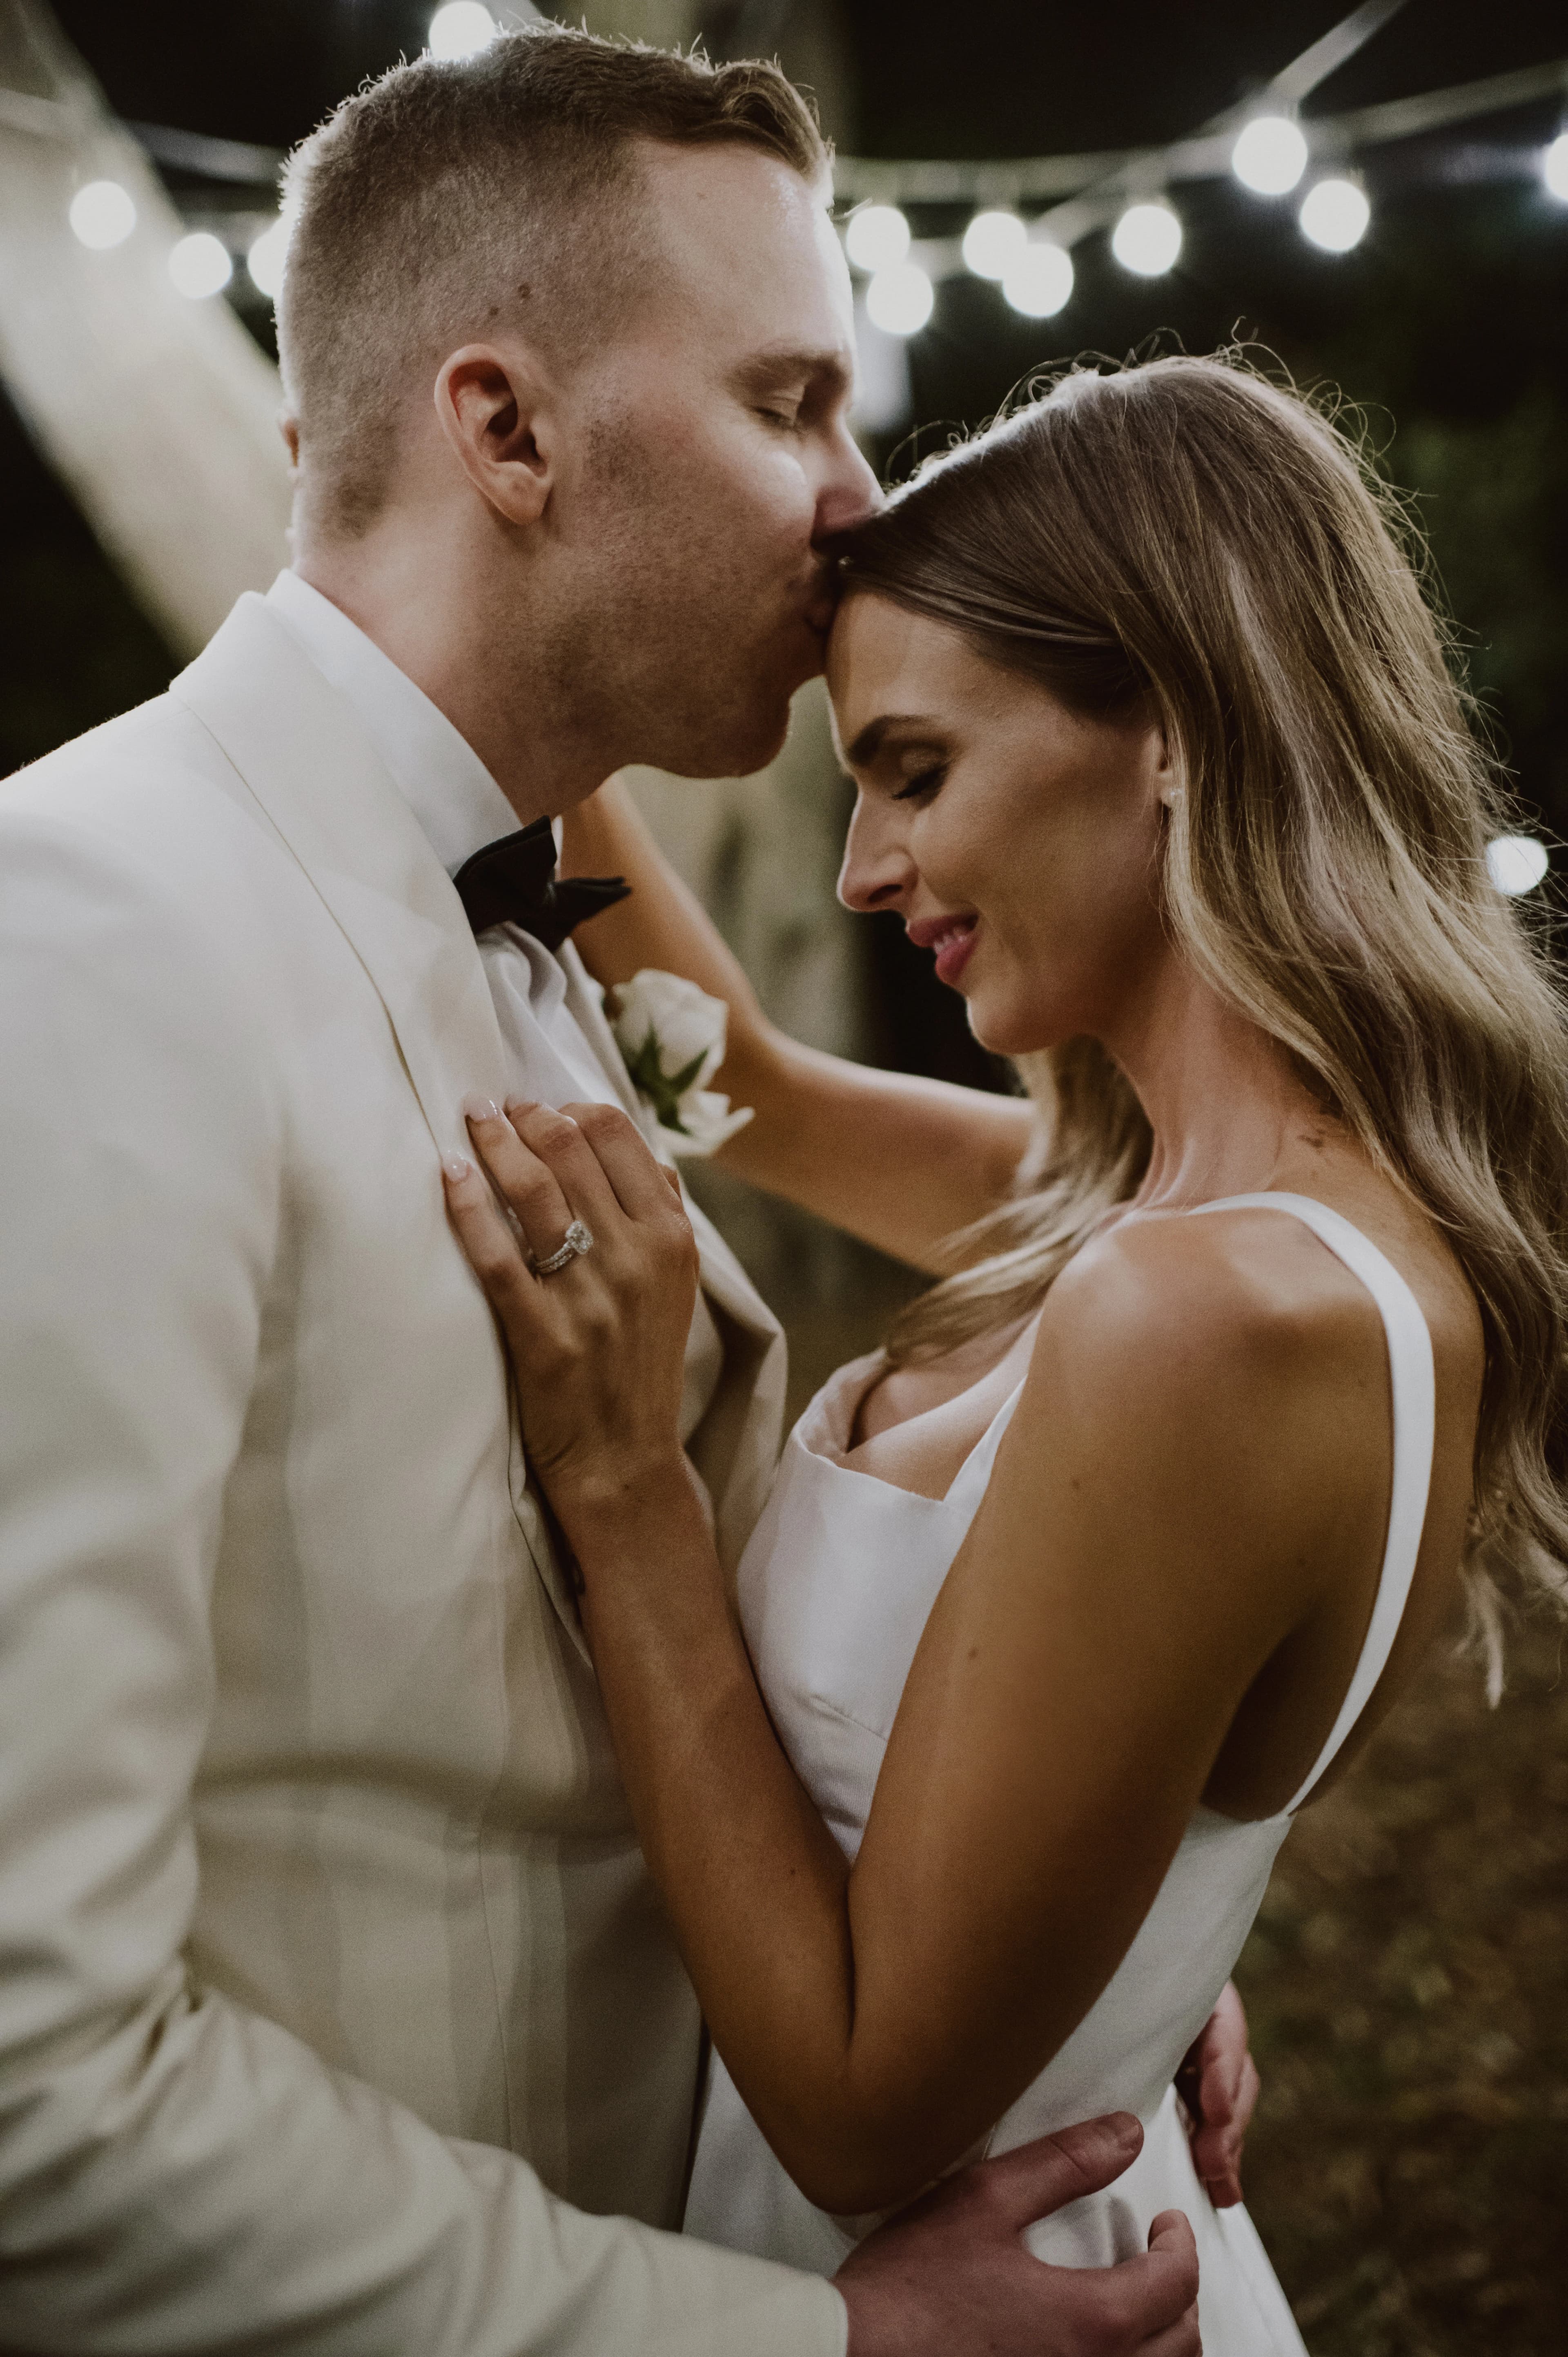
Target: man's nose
[(877, 872), (850, 491)]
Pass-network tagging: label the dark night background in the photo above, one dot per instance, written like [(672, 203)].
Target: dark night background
[(1449, 323), (1409, 2169)]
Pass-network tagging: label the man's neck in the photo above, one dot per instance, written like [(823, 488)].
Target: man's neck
[(474, 669)]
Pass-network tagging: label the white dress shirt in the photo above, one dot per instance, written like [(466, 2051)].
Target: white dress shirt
[(460, 808)]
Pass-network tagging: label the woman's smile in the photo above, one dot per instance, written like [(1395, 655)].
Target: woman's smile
[(952, 938)]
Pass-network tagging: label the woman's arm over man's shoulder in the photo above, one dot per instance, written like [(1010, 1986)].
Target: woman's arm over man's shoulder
[(901, 1161)]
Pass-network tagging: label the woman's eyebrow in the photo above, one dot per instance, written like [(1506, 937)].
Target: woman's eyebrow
[(869, 742)]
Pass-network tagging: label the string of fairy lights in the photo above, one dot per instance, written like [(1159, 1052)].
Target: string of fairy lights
[(1269, 149), (1271, 152)]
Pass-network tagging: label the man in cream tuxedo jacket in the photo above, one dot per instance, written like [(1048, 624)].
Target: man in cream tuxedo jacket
[(337, 2014)]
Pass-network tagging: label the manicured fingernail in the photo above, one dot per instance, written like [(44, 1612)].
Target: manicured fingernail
[(477, 1108), (456, 1167), (522, 1104)]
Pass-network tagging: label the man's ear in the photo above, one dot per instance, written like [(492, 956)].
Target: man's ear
[(490, 406)]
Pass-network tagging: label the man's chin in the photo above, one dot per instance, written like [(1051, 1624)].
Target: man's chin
[(751, 741)]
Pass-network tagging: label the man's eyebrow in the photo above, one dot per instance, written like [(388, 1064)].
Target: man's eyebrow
[(868, 744), (785, 365)]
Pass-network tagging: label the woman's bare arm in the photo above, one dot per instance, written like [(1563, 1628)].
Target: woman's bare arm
[(899, 1161), (1145, 1548)]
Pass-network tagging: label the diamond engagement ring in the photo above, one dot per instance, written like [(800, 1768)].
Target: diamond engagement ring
[(577, 1240)]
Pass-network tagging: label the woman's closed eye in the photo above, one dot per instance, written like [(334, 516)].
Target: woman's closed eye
[(924, 785)]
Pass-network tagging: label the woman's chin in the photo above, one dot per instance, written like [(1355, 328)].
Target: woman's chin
[(1011, 1031), (1009, 1045)]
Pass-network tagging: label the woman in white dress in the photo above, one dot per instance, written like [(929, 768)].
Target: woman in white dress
[(963, 1799)]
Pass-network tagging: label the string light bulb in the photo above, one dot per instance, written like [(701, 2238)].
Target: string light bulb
[(1334, 215), (877, 238), (1146, 240), (1270, 155), (993, 243), (1039, 281), (200, 265), (900, 299), (1516, 862), (1554, 168), (266, 256), (102, 214), (461, 30)]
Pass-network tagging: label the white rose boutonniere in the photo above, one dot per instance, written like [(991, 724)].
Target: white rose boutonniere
[(672, 1037)]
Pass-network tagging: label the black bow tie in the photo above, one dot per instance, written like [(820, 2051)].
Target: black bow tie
[(513, 882)]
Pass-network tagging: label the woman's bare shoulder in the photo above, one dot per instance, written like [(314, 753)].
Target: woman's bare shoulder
[(1198, 1453), (1220, 1380), (1233, 1287)]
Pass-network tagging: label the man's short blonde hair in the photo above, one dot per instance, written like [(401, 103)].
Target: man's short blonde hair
[(452, 196)]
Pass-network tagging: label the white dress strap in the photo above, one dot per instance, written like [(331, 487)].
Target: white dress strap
[(1413, 1383), (970, 1482)]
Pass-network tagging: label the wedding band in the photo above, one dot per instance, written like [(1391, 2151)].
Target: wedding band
[(577, 1240)]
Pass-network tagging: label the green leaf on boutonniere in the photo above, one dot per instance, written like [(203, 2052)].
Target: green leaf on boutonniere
[(663, 1093)]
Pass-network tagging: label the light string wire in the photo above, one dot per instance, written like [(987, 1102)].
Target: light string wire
[(1080, 193)]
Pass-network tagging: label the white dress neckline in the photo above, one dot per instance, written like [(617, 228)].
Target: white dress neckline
[(1413, 1384), (838, 1402)]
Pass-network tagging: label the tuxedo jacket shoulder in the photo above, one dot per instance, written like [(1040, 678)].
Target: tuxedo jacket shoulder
[(347, 1920)]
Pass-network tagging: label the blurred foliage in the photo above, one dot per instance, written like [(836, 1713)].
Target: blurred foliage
[(1409, 2166), (1493, 499)]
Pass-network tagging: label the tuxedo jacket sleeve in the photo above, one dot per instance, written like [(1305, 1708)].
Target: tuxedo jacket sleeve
[(197, 2151)]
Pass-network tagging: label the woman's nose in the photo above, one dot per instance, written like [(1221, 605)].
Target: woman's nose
[(877, 872)]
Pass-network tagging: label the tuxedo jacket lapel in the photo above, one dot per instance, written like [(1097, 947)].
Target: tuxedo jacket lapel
[(300, 750)]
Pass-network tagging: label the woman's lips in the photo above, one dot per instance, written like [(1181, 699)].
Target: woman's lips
[(952, 938)]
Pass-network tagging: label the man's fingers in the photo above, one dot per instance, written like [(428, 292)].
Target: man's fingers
[(1225, 2066), (1141, 2299), (1181, 2340), (1216, 2144), (1039, 2178), (1162, 2286), (1218, 2161), (1172, 2232), (1219, 2085)]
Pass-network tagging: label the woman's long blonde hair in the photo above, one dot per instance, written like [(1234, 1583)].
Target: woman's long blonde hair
[(1188, 530)]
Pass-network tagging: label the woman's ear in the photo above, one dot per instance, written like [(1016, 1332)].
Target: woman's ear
[(1168, 784), (491, 407)]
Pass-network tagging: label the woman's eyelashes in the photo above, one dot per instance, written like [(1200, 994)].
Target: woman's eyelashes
[(923, 786)]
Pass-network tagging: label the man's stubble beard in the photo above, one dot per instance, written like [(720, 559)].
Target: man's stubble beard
[(675, 652), (696, 701)]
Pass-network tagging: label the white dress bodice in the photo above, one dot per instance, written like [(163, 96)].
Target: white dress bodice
[(835, 1592)]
